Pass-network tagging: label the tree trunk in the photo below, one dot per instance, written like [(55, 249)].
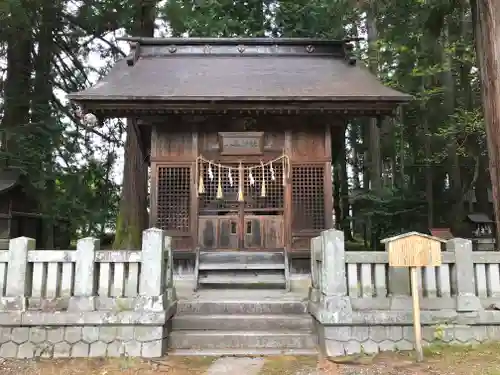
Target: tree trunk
[(133, 216), (374, 129), (481, 187), (345, 223), (486, 17), (457, 212), (43, 121), (427, 139), (17, 86), (374, 124)]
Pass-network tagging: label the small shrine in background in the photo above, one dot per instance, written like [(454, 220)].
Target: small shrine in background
[(20, 216), (481, 231)]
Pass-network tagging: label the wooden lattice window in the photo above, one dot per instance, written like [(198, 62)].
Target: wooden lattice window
[(174, 198), (308, 197), (274, 199), (209, 201), (275, 192)]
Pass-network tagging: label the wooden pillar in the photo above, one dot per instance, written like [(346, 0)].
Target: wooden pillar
[(153, 204), (288, 212), (328, 179), (194, 209)]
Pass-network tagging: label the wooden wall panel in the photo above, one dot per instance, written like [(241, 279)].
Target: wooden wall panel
[(209, 146), (308, 146), (171, 146), (182, 243)]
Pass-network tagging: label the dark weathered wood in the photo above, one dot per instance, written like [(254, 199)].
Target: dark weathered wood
[(328, 180), (241, 143), (194, 185), (288, 195), (147, 108), (153, 195), (306, 199)]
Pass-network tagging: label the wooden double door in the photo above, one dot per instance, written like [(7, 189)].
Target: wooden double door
[(241, 231)]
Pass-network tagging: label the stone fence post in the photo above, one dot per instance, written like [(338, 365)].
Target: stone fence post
[(169, 269), (463, 275), (84, 294), (17, 267), (152, 279), (334, 305)]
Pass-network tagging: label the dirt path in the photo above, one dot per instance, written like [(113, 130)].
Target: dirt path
[(482, 360)]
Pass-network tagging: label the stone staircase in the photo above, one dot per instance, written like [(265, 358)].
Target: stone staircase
[(228, 326), (242, 269)]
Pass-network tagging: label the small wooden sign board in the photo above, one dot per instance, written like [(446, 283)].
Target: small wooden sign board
[(414, 250)]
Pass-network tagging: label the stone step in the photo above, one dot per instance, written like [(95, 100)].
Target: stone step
[(241, 266), (241, 340), (243, 322), (242, 257), (241, 306), (243, 277), (243, 352)]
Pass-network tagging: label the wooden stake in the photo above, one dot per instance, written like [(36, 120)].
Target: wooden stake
[(416, 313)]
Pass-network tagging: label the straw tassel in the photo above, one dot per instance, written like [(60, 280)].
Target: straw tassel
[(230, 177), (219, 185), (284, 170), (263, 190), (241, 198), (201, 183), (210, 172)]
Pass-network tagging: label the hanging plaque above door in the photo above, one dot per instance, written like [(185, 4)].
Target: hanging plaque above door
[(241, 143)]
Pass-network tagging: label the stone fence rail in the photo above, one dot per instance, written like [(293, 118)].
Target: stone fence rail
[(362, 304), (83, 279), (86, 302), (371, 284)]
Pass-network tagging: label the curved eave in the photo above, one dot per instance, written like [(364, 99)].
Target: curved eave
[(141, 106)]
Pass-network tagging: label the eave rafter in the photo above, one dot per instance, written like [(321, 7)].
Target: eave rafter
[(136, 109)]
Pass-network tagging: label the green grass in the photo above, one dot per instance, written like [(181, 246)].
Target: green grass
[(288, 365)]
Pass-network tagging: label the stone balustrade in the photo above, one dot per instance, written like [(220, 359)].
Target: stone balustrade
[(360, 304), (86, 302)]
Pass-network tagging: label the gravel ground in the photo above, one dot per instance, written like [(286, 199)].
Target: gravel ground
[(481, 360)]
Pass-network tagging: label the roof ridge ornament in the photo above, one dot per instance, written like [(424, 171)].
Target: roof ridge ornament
[(135, 52), (348, 54)]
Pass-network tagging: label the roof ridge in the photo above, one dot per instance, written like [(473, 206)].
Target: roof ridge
[(236, 41)]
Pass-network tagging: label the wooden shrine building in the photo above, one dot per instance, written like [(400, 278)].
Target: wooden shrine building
[(240, 133)]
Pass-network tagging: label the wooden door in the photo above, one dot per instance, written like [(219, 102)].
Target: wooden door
[(263, 232), (218, 232)]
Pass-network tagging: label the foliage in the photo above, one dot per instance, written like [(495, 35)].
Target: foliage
[(432, 153)]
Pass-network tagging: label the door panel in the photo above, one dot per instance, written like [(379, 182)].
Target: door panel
[(228, 232), (259, 232), (264, 232), (207, 232), (253, 236), (273, 232)]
